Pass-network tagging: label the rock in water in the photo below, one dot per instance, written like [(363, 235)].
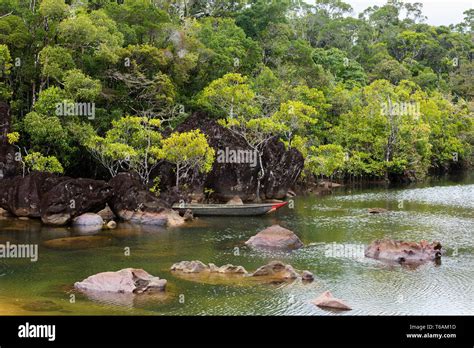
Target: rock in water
[(127, 280), (190, 267), (404, 252), (78, 243), (276, 269), (227, 269), (275, 237), (88, 219), (327, 300), (111, 225), (132, 202)]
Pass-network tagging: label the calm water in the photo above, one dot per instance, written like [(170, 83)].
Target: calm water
[(441, 211)]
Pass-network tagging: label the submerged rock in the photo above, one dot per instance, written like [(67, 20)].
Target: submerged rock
[(275, 237), (227, 269), (78, 243), (377, 210), (275, 270), (404, 252), (129, 280), (42, 306), (327, 300)]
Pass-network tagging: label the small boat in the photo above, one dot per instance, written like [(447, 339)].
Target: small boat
[(230, 209)]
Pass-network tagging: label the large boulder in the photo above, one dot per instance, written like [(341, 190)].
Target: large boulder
[(73, 197), (127, 280), (21, 196), (275, 237), (132, 202), (227, 180), (404, 252)]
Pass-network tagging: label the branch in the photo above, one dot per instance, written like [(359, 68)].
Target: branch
[(6, 15)]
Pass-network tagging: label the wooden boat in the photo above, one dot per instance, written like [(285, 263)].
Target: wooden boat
[(230, 209)]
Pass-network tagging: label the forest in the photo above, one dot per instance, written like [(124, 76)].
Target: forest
[(99, 87)]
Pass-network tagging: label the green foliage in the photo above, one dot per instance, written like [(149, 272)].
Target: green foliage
[(80, 87), (189, 151), (307, 73), (37, 162), (55, 61)]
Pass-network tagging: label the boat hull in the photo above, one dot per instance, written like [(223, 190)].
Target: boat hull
[(229, 210)]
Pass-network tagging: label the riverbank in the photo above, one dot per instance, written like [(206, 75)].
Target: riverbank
[(441, 212)]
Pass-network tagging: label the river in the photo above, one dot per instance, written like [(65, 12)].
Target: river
[(440, 210)]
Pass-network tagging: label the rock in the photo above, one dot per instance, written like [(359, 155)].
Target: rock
[(190, 267), (377, 210), (235, 201), (227, 180), (88, 219), (74, 197), (327, 300), (4, 213), (404, 252), (78, 243), (166, 217), (24, 218), (307, 276), (132, 202), (188, 215), (275, 237), (111, 225), (106, 214), (227, 269), (290, 194), (276, 269), (127, 280), (21, 196)]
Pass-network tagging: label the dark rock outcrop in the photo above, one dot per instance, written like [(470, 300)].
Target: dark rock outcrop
[(227, 180), (404, 252), (275, 237), (22, 196), (132, 202), (74, 197)]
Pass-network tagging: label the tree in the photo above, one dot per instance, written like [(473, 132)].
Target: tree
[(189, 152), (230, 96), (294, 117), (55, 62), (133, 143)]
